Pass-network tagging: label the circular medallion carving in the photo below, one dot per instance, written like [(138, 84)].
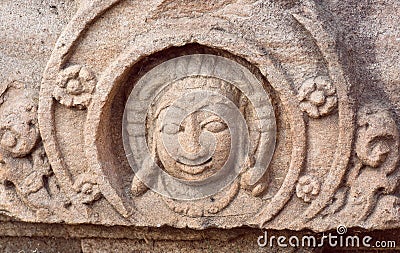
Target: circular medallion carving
[(202, 111)]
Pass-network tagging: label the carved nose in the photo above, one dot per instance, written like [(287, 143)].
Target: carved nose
[(190, 139), (195, 148)]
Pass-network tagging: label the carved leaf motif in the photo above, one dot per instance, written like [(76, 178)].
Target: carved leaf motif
[(23, 160), (377, 149), (377, 131)]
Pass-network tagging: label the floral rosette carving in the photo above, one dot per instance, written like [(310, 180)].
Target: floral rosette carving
[(307, 188), (317, 96), (87, 189), (75, 85)]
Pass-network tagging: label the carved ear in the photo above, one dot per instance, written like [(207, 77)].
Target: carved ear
[(138, 187), (258, 187)]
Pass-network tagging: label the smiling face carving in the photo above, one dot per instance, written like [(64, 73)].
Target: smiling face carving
[(192, 160), (188, 137), (198, 131)]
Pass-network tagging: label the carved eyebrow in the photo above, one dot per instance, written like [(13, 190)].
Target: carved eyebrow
[(211, 119), (163, 124)]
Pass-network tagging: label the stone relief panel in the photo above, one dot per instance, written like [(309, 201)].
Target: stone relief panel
[(25, 168), (211, 117)]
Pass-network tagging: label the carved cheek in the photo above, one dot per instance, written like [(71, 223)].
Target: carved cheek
[(166, 160), (223, 146)]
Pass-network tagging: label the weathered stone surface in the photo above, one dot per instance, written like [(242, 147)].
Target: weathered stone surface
[(268, 114)]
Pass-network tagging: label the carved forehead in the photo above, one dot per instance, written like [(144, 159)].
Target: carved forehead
[(186, 85)]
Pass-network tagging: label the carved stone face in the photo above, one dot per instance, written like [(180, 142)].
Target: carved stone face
[(189, 166), (188, 137), (18, 131)]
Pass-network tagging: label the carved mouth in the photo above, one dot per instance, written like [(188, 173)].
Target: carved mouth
[(200, 164), (195, 169)]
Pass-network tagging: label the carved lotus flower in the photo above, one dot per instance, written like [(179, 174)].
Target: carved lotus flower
[(307, 188), (87, 189), (317, 96), (75, 85)]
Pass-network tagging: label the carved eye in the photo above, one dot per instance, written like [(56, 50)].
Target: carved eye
[(215, 126), (170, 129)]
